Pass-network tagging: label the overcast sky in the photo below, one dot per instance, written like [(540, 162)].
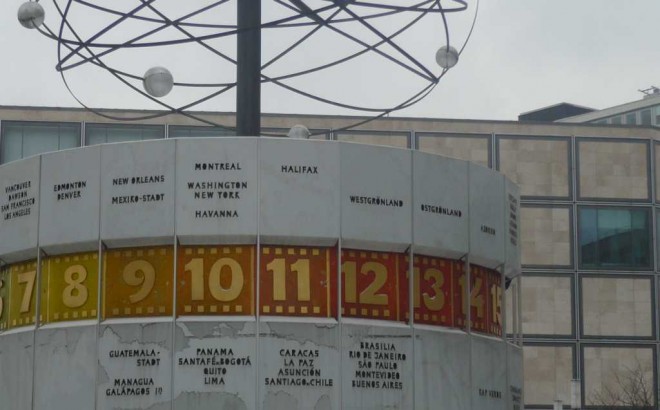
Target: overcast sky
[(523, 54)]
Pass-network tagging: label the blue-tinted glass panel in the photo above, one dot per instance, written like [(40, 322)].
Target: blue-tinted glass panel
[(646, 117), (108, 133), (616, 120), (24, 139), (614, 238), (631, 118), (198, 132)]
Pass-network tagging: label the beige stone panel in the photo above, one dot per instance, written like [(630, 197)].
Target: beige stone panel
[(390, 140), (539, 167), (613, 170), (548, 373), (465, 148), (511, 296), (616, 370), (546, 305), (616, 307), (546, 236)]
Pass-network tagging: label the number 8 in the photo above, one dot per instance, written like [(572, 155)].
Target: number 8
[(75, 295)]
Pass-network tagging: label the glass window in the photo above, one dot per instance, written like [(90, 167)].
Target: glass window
[(317, 134), (631, 118), (106, 133), (616, 120), (614, 238), (656, 112), (177, 131), (646, 117), (23, 139)]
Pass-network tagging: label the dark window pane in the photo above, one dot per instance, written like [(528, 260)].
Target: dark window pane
[(631, 118), (611, 237), (616, 120), (646, 117)]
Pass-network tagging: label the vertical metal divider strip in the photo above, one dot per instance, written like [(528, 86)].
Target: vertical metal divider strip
[(99, 285), (256, 286), (174, 277), (468, 291), (37, 291), (340, 324), (411, 265), (576, 258)]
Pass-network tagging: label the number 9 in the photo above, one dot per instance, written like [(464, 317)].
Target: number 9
[(145, 280)]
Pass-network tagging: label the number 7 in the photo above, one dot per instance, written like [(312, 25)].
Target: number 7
[(27, 278)]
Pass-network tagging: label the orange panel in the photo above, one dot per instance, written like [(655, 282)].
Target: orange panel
[(138, 282), (459, 302), (69, 287), (215, 280), (433, 290), (298, 281), (23, 294), (494, 302), (479, 298), (374, 285)]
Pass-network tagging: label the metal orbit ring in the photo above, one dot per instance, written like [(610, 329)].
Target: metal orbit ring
[(314, 15)]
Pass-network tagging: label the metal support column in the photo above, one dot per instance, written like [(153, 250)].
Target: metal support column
[(248, 68)]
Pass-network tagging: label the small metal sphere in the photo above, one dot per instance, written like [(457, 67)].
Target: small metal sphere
[(31, 14), (299, 132), (446, 57), (158, 81)]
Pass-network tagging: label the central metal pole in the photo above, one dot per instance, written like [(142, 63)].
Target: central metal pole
[(248, 68)]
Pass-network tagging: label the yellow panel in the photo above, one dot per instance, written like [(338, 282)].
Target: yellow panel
[(69, 287), (138, 282), (4, 298), (22, 294)]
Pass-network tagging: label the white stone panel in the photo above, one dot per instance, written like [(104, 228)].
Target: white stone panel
[(135, 366), (215, 365), (70, 198), (65, 368), (216, 190), (440, 205), (375, 197), (19, 209), (286, 348), (512, 227), (299, 188), (487, 233), (515, 394), (377, 367), (489, 366), (442, 374), (16, 362), (137, 199)]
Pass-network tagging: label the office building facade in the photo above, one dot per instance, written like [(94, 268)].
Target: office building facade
[(589, 193)]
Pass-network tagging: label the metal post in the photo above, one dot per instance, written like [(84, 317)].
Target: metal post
[(248, 68), (576, 399), (558, 405)]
